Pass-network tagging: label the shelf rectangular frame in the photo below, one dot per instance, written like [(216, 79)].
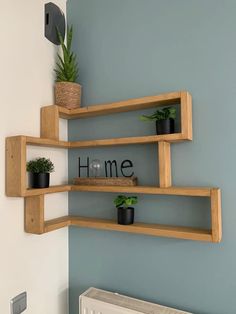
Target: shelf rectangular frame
[(50, 114), (35, 223)]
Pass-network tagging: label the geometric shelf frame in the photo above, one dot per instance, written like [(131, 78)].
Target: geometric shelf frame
[(49, 137)]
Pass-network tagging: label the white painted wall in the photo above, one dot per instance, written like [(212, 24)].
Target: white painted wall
[(37, 264)]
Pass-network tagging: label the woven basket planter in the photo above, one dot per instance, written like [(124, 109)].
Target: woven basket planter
[(68, 95)]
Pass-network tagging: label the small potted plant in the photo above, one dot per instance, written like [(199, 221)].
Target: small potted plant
[(165, 120), (39, 172), (125, 213), (67, 91)]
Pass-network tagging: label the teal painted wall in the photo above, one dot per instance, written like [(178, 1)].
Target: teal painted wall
[(135, 48)]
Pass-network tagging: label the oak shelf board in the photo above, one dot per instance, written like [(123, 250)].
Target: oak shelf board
[(138, 228), (122, 106), (153, 190), (141, 228), (57, 223), (51, 189), (37, 141), (182, 191), (175, 137)]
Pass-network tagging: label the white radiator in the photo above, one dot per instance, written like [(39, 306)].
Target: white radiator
[(96, 301)]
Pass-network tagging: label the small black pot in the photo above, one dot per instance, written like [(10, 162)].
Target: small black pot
[(39, 180), (125, 216), (165, 126)]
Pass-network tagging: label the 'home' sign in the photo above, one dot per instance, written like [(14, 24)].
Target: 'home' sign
[(111, 168)]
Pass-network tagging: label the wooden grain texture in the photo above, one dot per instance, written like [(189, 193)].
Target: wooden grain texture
[(15, 165), (104, 181), (34, 214), (37, 141), (174, 190), (49, 123), (44, 142), (164, 161), (122, 106), (57, 223), (138, 228), (176, 137), (216, 220), (141, 228), (64, 113), (186, 115), (184, 191), (51, 189)]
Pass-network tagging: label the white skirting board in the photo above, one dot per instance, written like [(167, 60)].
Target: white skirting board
[(97, 301)]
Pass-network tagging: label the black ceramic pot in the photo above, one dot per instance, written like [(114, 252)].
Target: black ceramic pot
[(125, 216), (39, 180), (165, 126)]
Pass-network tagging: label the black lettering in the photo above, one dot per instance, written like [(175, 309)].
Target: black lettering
[(87, 167), (126, 164), (111, 163)]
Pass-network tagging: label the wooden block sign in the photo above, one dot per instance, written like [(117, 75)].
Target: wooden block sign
[(120, 181)]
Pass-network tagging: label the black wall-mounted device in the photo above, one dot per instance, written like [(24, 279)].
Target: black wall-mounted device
[(54, 18)]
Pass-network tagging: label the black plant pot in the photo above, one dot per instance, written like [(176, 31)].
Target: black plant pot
[(39, 180), (125, 216), (165, 126)]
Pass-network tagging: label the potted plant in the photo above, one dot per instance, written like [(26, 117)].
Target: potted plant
[(165, 120), (39, 172), (67, 91), (125, 213)]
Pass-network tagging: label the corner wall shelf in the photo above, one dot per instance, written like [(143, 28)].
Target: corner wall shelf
[(49, 137), (140, 228)]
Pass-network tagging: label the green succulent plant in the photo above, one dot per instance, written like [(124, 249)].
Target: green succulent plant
[(161, 114), (125, 201), (40, 165), (67, 67)]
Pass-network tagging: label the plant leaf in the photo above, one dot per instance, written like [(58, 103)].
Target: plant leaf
[(66, 66)]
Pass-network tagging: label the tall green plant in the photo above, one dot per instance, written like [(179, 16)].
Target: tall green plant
[(67, 67)]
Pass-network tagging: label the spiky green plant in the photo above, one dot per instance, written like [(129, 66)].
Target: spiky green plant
[(67, 67)]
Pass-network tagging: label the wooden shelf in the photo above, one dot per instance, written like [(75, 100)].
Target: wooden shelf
[(37, 141), (174, 190), (138, 228), (123, 106), (50, 118), (34, 213), (176, 137), (51, 189), (181, 191), (56, 223)]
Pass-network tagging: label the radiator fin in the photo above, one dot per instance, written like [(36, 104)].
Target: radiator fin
[(126, 304)]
